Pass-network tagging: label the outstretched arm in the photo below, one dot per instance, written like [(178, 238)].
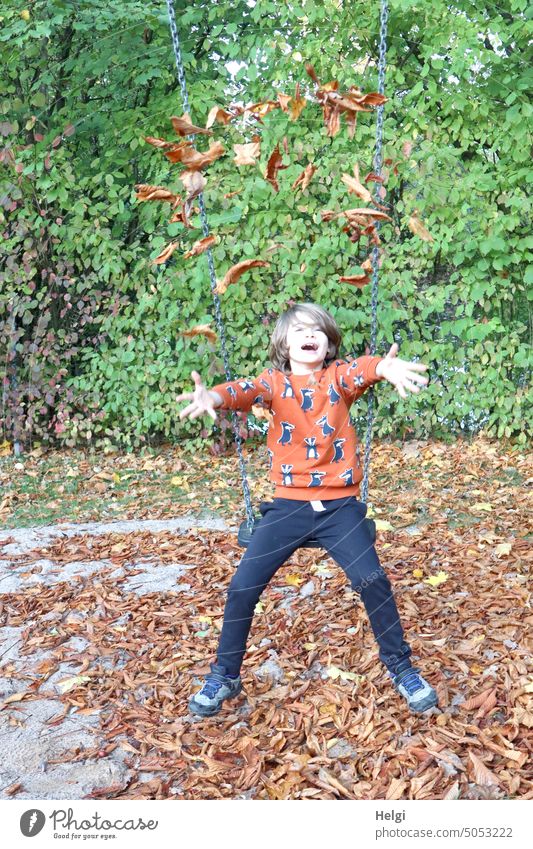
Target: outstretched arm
[(202, 400), (401, 373)]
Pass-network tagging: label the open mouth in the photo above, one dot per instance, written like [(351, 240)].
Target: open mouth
[(310, 346)]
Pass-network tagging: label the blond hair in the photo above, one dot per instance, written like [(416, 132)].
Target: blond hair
[(278, 350)]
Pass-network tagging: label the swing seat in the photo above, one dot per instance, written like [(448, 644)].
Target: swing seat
[(245, 535)]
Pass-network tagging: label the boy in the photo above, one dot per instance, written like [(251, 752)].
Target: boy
[(316, 468)]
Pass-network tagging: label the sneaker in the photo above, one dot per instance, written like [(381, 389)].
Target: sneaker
[(217, 687), (419, 695)]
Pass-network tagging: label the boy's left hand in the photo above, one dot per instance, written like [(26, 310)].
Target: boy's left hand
[(401, 373)]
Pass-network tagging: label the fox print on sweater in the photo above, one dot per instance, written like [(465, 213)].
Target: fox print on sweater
[(312, 445)]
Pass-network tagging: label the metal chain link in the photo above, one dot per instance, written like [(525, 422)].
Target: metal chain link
[(384, 15), (212, 276)]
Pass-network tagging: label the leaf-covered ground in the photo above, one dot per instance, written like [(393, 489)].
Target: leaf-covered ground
[(318, 717)]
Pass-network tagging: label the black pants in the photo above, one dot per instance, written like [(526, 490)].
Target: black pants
[(342, 531)]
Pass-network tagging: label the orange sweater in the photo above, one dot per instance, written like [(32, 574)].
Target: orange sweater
[(312, 445)]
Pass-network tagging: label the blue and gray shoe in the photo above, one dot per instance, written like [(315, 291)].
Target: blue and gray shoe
[(216, 688), (419, 695)]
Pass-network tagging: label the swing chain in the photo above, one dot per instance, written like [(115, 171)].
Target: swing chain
[(212, 274), (384, 14)]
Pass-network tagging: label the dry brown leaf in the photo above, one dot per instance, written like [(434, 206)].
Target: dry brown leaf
[(147, 192), (246, 154), (259, 110), (354, 185), (166, 253), (218, 114), (233, 274), (417, 227), (177, 152), (201, 330), (358, 280), (195, 161), (477, 701), (482, 774), (194, 182), (305, 177), (183, 127), (201, 246), (275, 164)]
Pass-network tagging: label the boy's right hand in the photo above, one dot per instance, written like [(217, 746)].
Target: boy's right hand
[(201, 400)]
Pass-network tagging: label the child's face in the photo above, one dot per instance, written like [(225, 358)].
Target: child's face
[(307, 343)]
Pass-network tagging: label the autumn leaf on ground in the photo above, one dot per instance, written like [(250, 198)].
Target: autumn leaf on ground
[(166, 253), (183, 126), (69, 683), (194, 182), (418, 573), (201, 246), (294, 580), (435, 580), (246, 154), (216, 113), (382, 525), (147, 192), (418, 228), (334, 672), (503, 549), (235, 272), (201, 330), (275, 164), (305, 177), (481, 773)]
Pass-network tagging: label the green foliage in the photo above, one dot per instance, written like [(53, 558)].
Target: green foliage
[(98, 77)]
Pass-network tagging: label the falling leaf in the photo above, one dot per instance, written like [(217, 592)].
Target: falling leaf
[(194, 182), (201, 246), (146, 192), (358, 280), (275, 164), (312, 73), (354, 185), (246, 154), (418, 228), (235, 272), (166, 253), (201, 330), (261, 413), (218, 114), (259, 110), (437, 579), (232, 194), (195, 161), (183, 126), (305, 177), (69, 683)]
